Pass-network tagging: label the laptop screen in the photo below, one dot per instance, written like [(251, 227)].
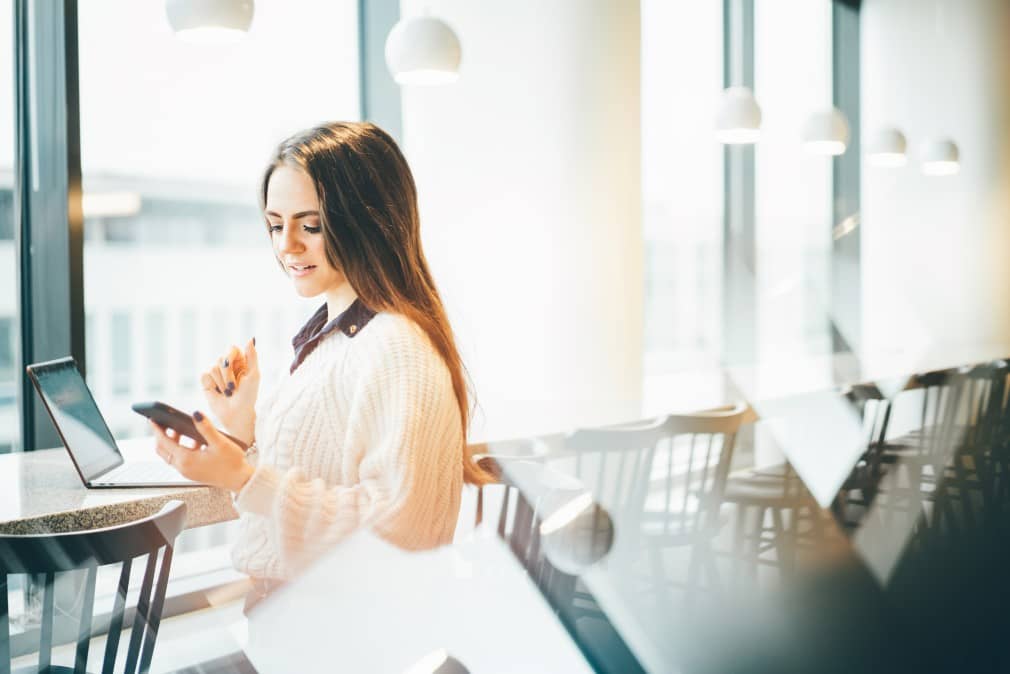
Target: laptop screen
[(76, 417)]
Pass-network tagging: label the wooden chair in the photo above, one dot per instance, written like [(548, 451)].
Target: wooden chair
[(978, 462), (999, 454), (518, 515), (664, 476), (860, 487), (661, 481), (608, 462), (84, 551), (684, 489), (924, 456), (773, 512)]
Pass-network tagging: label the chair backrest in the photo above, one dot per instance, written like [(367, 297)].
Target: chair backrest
[(986, 400), (688, 475), (943, 417), (608, 462), (874, 410), (501, 501), (612, 462), (672, 471), (47, 555), (1000, 409)]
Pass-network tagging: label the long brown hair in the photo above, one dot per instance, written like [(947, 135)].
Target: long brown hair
[(368, 210)]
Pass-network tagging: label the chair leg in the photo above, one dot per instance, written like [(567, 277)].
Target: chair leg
[(157, 605), (785, 539), (709, 566), (660, 589), (142, 614), (84, 629), (755, 560), (738, 543)]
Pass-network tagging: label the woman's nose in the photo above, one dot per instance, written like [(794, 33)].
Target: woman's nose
[(289, 241)]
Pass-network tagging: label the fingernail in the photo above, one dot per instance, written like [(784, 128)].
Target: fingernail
[(227, 392), (254, 341), (217, 389), (198, 415), (231, 385), (226, 362)]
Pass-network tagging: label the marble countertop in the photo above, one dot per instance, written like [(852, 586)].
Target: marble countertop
[(41, 492)]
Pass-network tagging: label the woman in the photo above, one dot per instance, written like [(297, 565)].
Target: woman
[(369, 427)]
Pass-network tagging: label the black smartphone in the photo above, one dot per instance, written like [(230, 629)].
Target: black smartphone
[(167, 416)]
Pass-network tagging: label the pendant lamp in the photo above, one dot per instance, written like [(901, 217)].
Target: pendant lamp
[(423, 50), (888, 149), (738, 121), (826, 132), (940, 157), (209, 21)]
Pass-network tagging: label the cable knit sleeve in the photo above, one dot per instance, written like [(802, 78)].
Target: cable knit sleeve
[(401, 455)]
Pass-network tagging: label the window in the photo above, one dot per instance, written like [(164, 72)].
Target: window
[(154, 360), (9, 371), (177, 263), (793, 192), (682, 193)]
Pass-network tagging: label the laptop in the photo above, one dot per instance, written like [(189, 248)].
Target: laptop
[(86, 435)]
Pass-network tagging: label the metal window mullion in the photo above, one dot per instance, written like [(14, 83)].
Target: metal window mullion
[(739, 325), (845, 279), (380, 95), (48, 222)]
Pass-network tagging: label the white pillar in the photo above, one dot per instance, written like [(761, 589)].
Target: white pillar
[(528, 170)]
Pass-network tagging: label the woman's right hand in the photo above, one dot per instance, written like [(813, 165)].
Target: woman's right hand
[(231, 386)]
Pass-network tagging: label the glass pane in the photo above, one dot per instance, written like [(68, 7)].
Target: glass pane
[(9, 433), (793, 193), (177, 262), (682, 187), (174, 139)]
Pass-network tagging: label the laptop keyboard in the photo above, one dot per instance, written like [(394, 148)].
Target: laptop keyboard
[(142, 472)]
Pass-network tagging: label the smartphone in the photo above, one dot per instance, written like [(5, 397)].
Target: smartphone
[(167, 416)]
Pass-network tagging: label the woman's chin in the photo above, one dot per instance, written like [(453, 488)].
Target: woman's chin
[(306, 290)]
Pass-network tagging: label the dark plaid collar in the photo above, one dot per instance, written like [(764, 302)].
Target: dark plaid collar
[(350, 322)]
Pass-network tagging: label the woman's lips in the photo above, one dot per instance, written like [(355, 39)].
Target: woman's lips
[(299, 271)]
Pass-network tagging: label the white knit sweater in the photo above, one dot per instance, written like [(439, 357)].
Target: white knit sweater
[(364, 433)]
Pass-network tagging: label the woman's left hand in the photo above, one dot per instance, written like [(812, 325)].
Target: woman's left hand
[(221, 463)]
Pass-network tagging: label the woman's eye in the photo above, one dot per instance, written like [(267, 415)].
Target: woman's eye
[(312, 230), (275, 228)]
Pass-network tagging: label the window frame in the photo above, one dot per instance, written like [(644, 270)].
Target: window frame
[(49, 224), (48, 214), (739, 308), (845, 273), (48, 221)]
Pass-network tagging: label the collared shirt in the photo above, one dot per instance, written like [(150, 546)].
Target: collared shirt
[(350, 322)]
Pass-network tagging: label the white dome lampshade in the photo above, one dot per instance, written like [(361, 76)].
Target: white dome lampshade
[(209, 21), (888, 149), (738, 121), (940, 157), (423, 50), (826, 132)]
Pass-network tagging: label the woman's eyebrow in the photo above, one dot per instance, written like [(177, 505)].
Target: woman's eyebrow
[(299, 214)]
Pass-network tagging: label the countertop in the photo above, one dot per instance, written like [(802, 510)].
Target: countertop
[(41, 492)]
